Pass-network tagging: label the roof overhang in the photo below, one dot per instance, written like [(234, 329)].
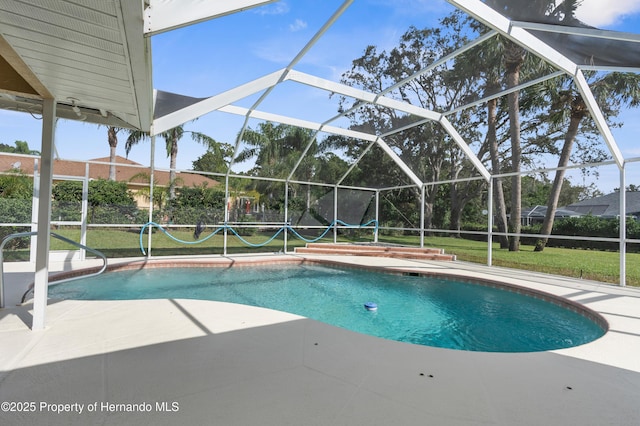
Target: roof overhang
[(91, 57)]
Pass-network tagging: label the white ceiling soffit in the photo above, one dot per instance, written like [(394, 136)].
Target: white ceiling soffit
[(165, 15), (90, 55)]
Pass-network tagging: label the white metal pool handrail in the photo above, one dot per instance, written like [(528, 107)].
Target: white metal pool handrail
[(59, 237)]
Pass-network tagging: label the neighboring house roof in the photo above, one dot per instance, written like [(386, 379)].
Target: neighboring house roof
[(608, 205), (99, 169), (539, 212)]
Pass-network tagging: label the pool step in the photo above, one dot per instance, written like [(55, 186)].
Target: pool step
[(379, 251)]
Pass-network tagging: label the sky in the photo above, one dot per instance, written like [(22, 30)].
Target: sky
[(211, 57)]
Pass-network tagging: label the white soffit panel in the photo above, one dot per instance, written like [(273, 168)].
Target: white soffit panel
[(165, 15), (90, 54)]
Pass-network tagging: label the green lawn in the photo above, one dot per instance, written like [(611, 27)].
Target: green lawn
[(116, 243), (123, 243), (588, 264)]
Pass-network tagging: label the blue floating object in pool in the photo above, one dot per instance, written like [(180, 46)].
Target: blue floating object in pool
[(370, 306)]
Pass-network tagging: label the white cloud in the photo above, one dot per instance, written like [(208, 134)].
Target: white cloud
[(298, 25), (601, 13)]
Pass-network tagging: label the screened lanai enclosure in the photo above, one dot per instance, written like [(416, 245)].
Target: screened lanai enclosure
[(341, 121)]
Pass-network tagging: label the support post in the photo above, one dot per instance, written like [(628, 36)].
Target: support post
[(623, 228), (375, 236), (226, 215), (422, 195), (34, 210), (152, 164), (490, 222), (84, 212), (335, 214), (286, 214), (41, 278)]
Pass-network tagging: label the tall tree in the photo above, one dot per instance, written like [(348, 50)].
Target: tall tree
[(275, 149), (569, 109), (426, 148), (112, 138), (171, 138), (514, 57), (21, 147), (492, 139), (215, 160), (484, 62)]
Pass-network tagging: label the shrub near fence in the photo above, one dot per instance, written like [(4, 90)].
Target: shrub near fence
[(592, 226), (586, 226), (13, 210)]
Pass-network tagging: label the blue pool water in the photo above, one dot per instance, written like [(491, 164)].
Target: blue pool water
[(420, 310)]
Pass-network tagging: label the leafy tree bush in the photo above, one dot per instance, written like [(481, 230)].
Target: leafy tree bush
[(109, 201), (67, 191), (13, 210), (195, 204), (592, 226), (67, 200), (16, 191), (584, 226), (21, 147)]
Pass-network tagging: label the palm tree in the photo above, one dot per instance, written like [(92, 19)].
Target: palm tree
[(171, 138), (112, 138), (568, 106), (276, 148), (514, 57), (485, 63), (498, 189)]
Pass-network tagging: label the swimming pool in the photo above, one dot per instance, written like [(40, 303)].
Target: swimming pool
[(415, 309)]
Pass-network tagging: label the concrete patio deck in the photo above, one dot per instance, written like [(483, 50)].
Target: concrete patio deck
[(167, 362)]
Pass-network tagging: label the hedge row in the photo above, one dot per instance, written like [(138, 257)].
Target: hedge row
[(587, 227)]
